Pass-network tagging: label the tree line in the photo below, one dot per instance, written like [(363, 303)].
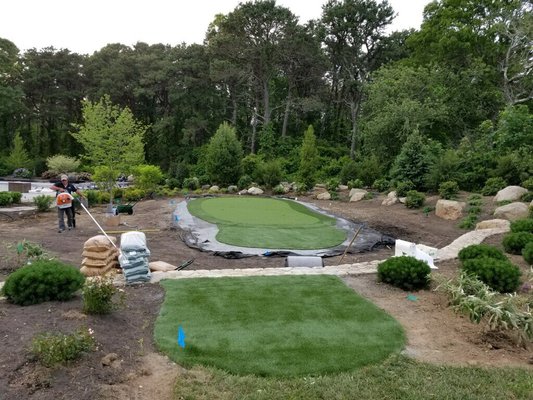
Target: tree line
[(450, 101)]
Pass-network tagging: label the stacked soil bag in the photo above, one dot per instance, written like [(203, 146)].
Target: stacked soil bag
[(134, 257), (99, 256)]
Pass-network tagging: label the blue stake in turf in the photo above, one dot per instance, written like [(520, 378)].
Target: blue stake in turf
[(411, 297), (181, 337)]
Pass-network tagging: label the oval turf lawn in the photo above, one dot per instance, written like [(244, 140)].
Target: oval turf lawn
[(267, 223)]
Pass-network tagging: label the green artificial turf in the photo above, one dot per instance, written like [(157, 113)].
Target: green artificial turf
[(274, 326), (267, 223)]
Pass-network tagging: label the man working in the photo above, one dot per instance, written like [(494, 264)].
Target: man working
[(64, 203)]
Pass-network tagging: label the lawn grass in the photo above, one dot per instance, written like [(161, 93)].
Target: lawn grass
[(397, 378), (267, 223), (274, 326)]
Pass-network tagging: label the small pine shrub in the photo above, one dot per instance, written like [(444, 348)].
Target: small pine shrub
[(5, 199), (448, 190), (522, 225), (16, 197), (479, 251), (492, 186), (381, 184), (469, 222), (475, 200), (515, 242), (474, 210), (527, 197), (44, 280), (333, 184), (92, 197), (192, 183), (244, 182), (414, 199), (403, 187), (52, 349), (300, 188), (528, 184), (527, 253), (501, 276), (355, 184), (404, 272), (43, 202), (278, 190)]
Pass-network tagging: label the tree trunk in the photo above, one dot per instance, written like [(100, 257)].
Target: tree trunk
[(354, 112), (286, 116), (266, 103)]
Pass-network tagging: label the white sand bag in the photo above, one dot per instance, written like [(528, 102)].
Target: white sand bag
[(132, 241), (161, 266)]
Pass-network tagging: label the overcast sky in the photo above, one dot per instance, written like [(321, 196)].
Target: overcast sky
[(85, 27)]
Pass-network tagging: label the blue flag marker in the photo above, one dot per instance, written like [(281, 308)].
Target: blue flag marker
[(181, 337), (411, 297)]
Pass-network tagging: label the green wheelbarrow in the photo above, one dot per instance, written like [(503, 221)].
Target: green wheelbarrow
[(124, 208)]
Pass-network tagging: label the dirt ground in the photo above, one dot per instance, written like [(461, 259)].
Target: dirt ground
[(126, 364)]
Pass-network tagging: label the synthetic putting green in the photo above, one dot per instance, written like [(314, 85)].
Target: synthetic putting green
[(267, 223), (274, 326)]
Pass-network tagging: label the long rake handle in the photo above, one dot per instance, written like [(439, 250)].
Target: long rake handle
[(97, 224), (351, 242)]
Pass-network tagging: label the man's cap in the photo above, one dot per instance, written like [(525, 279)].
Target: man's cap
[(63, 177)]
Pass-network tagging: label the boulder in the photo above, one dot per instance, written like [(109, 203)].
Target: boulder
[(357, 194), (512, 211), (243, 192), (342, 188), (323, 196), (510, 193), (214, 189), (449, 209), (232, 188), (493, 224), (391, 199), (255, 191)]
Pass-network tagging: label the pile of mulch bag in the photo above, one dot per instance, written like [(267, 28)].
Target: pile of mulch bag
[(100, 256), (134, 257)]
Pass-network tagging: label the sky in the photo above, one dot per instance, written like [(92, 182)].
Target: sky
[(86, 26)]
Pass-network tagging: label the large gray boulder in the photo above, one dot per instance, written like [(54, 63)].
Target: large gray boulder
[(357, 194), (510, 193), (255, 191), (493, 224), (449, 209), (512, 211), (323, 196), (392, 198)]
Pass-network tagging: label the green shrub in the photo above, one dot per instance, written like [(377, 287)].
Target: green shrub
[(300, 188), (475, 199), (308, 158), (333, 184), (278, 189), (527, 197), (528, 184), (61, 164), (44, 280), (474, 210), (43, 202), (414, 199), (244, 182), (480, 251), (223, 156), (117, 193), (527, 253), (22, 173), (92, 197), (404, 272), (133, 194), (147, 177), (522, 225), (16, 197), (348, 172), (514, 242), (493, 185), (448, 190), (51, 349), (501, 275), (271, 173), (469, 222), (103, 197), (191, 183), (5, 199), (403, 187), (355, 184), (381, 184), (173, 183), (98, 295)]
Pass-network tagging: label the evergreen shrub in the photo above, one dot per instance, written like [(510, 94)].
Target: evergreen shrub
[(522, 225), (133, 194), (468, 222), (381, 184), (493, 185), (414, 199), (481, 251), (244, 182), (348, 172), (278, 189), (403, 187), (44, 280), (92, 197), (528, 184), (16, 197), (333, 184), (191, 183), (104, 197), (43, 202), (448, 190), (527, 197), (502, 276), (515, 242), (527, 253), (355, 184), (404, 272)]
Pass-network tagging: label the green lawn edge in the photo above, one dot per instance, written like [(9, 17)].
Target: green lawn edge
[(274, 326)]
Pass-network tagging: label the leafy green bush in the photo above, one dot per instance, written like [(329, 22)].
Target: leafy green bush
[(92, 197), (5, 199), (414, 199), (191, 183), (403, 187), (60, 164), (244, 182), (528, 184), (480, 251), (278, 189), (527, 197), (527, 253), (333, 184), (16, 197), (381, 184), (522, 225), (475, 199), (501, 275), (103, 197), (474, 210), (355, 184), (348, 172), (300, 188), (223, 156), (448, 190), (98, 295), (404, 272), (133, 194), (22, 173), (271, 173), (493, 185), (51, 349), (43, 202), (147, 177), (468, 222), (44, 280), (514, 242)]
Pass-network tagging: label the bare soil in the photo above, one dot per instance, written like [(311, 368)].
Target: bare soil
[(126, 364)]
